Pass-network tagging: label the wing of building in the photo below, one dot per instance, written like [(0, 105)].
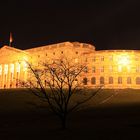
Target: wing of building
[(110, 68)]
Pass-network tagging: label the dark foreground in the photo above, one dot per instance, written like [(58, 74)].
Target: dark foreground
[(23, 116)]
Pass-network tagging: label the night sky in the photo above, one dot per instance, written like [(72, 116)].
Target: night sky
[(107, 24)]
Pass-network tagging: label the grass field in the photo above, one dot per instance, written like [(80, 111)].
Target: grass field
[(110, 115)]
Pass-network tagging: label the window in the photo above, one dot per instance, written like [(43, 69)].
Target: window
[(119, 80), (102, 69), (94, 59), (110, 80), (86, 69), (119, 68), (128, 80), (128, 69), (138, 69), (137, 80), (110, 68), (102, 58), (85, 81), (101, 80), (93, 80), (93, 69), (137, 58), (110, 58), (76, 60)]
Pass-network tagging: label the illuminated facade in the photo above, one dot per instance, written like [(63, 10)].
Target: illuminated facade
[(111, 68)]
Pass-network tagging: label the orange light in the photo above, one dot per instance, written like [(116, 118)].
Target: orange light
[(123, 60)]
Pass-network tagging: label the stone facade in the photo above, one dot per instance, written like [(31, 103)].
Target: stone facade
[(111, 68)]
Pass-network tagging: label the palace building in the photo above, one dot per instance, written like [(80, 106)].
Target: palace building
[(111, 68)]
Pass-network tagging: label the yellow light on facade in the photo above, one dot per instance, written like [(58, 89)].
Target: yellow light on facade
[(12, 68), (25, 66), (0, 69), (123, 60)]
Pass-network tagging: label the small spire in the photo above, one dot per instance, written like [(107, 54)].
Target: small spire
[(10, 40)]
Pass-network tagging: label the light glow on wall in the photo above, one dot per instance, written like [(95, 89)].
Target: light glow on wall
[(12, 68), (0, 69), (123, 60), (25, 66), (17, 67), (5, 69)]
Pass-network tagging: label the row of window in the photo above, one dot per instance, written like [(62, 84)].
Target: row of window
[(111, 58), (110, 69), (54, 53), (110, 80)]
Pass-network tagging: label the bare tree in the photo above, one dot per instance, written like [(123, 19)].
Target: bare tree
[(63, 78)]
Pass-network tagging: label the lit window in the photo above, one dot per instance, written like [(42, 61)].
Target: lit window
[(76, 60), (110, 68), (137, 58), (128, 69), (119, 68), (102, 58), (119, 80), (101, 80), (93, 80), (102, 69), (110, 80), (93, 69), (111, 58), (137, 80), (138, 69), (128, 80)]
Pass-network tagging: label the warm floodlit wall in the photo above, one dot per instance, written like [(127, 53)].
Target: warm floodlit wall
[(110, 68)]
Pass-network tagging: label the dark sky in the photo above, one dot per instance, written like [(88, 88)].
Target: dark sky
[(108, 24)]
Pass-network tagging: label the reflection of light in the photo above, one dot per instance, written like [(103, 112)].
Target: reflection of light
[(18, 67), (25, 66), (0, 69), (5, 69), (12, 68), (123, 60), (25, 58), (120, 68)]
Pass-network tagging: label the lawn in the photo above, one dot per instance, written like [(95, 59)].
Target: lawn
[(111, 114)]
